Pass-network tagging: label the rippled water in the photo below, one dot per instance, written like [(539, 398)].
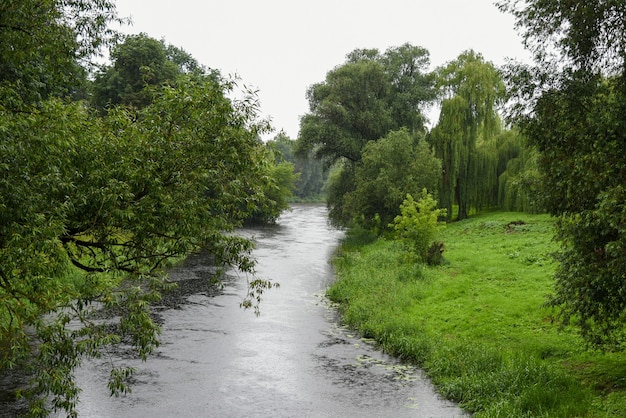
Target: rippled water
[(295, 359)]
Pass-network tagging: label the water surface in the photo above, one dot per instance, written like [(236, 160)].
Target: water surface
[(295, 359)]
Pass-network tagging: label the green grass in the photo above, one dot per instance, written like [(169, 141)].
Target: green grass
[(478, 324)]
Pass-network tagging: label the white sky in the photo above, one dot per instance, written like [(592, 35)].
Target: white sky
[(281, 47)]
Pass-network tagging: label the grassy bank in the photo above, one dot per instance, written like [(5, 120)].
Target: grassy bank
[(477, 324)]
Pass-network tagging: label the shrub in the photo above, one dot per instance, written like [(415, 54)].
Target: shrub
[(417, 226)]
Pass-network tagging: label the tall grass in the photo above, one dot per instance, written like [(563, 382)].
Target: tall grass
[(477, 324)]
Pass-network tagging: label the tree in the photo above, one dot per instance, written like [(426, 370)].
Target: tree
[(45, 45), (519, 182), (278, 185), (347, 110), (92, 206), (571, 106), (115, 199), (417, 225), (463, 137), (310, 173), (137, 63), (392, 167), (412, 89), (365, 98), (361, 101)]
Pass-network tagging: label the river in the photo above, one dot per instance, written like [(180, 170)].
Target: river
[(294, 360)]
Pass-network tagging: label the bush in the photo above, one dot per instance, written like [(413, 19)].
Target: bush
[(417, 225)]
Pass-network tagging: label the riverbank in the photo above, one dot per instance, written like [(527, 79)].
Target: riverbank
[(477, 324)]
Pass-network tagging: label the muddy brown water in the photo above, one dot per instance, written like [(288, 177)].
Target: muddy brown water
[(294, 360)]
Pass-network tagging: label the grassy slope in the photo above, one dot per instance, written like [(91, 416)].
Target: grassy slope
[(478, 324)]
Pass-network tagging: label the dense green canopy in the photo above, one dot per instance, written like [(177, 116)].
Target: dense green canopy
[(365, 98), (46, 44), (392, 167), (361, 101), (137, 63)]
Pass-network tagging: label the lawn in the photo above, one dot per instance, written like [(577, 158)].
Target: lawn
[(479, 324)]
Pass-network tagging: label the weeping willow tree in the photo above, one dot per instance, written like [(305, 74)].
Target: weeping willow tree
[(464, 138), (519, 181)]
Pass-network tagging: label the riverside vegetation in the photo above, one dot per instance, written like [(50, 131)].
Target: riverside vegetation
[(116, 169), (478, 324)]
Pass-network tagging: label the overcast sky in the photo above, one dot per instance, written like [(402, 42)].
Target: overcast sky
[(281, 47)]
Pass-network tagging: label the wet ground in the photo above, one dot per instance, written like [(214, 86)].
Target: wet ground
[(295, 359)]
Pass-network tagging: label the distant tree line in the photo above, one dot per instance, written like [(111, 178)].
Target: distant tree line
[(310, 175)]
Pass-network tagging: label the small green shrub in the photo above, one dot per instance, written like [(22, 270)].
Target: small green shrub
[(417, 226)]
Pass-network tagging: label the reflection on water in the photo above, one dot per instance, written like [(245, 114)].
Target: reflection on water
[(295, 359)]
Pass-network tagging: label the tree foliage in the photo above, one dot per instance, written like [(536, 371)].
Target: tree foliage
[(115, 198), (585, 36), (347, 110), (309, 171), (45, 45), (519, 181), (571, 106), (418, 223), (94, 205), (360, 101), (464, 135), (277, 188), (411, 85), (392, 167), (365, 98), (138, 63)]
